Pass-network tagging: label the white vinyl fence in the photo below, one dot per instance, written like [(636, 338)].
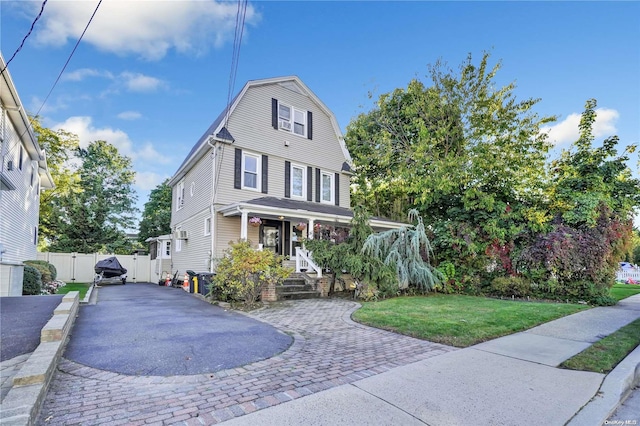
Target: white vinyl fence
[(78, 267)]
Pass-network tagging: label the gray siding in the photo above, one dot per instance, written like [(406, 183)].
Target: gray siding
[(19, 208), (195, 250), (200, 176), (228, 231), (250, 125)]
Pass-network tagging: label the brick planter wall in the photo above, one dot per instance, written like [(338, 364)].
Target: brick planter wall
[(269, 293)]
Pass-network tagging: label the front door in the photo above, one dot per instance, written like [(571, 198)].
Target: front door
[(271, 238)]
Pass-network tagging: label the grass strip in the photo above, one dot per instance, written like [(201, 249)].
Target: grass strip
[(622, 291), (459, 320), (605, 354), (81, 287)]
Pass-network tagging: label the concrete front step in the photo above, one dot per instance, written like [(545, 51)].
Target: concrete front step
[(298, 295)]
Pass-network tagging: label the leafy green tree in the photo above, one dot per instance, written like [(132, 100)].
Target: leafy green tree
[(586, 176), (95, 217), (60, 147), (156, 216), (465, 154)]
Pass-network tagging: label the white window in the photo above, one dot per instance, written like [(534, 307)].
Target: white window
[(298, 181), (300, 122), (207, 226), (292, 120), (180, 195), (178, 244), (21, 158), (284, 117), (192, 188), (250, 171), (33, 175), (35, 236), (326, 187), (167, 248)]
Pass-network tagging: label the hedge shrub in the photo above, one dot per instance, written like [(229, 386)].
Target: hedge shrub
[(31, 281), (52, 271), (45, 272), (511, 286)]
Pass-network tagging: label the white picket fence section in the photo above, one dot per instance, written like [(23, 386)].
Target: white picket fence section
[(78, 267)]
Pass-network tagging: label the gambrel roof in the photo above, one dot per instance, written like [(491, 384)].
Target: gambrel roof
[(217, 132)]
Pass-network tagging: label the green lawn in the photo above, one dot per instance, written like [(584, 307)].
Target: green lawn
[(459, 320), (81, 287), (622, 291), (604, 355)]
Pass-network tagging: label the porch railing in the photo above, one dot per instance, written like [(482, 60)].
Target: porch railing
[(304, 261)]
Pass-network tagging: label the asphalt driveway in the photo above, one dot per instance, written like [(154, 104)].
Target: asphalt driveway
[(150, 330), (21, 320)]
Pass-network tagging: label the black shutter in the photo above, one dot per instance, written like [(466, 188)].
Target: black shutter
[(274, 113), (317, 185), (287, 238), (237, 170), (309, 125), (337, 194), (287, 179), (265, 174), (309, 183)]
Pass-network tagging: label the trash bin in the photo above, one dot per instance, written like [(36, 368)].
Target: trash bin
[(204, 282), (193, 281)]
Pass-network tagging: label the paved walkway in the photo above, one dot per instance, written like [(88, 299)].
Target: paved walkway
[(8, 369), (329, 351)]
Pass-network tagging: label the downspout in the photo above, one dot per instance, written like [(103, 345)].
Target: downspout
[(212, 210)]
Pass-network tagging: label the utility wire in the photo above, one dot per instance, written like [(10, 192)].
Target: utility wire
[(33, 24), (235, 56), (69, 58)]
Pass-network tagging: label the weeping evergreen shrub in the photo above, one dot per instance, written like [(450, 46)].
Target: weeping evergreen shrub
[(407, 250)]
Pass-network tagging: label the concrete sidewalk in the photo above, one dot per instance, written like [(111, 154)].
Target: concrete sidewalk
[(512, 380)]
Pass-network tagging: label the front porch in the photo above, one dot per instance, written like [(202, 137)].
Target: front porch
[(283, 225)]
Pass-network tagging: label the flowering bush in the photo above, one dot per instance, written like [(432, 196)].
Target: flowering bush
[(52, 287)]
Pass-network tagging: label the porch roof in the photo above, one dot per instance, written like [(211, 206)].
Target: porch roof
[(295, 209)]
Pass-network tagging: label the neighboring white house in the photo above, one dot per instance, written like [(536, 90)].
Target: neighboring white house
[(23, 174), (160, 255), (277, 156)]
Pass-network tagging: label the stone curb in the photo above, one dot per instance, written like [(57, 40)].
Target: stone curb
[(614, 390), (87, 295), (22, 404)]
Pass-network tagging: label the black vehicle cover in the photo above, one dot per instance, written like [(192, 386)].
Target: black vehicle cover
[(110, 267)]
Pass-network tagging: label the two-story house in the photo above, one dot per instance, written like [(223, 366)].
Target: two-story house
[(23, 174), (271, 168)]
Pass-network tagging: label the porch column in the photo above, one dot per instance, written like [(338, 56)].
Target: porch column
[(310, 230), (244, 218)]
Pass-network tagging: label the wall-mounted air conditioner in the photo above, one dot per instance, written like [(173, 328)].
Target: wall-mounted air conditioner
[(180, 235)]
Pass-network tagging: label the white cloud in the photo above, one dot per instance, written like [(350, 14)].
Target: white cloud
[(567, 131), (82, 73), (140, 27), (136, 82), (87, 133), (146, 181), (129, 115)]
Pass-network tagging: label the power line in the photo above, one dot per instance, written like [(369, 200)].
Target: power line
[(33, 24), (235, 56), (69, 58)]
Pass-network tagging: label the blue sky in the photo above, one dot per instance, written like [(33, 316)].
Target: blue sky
[(150, 76)]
